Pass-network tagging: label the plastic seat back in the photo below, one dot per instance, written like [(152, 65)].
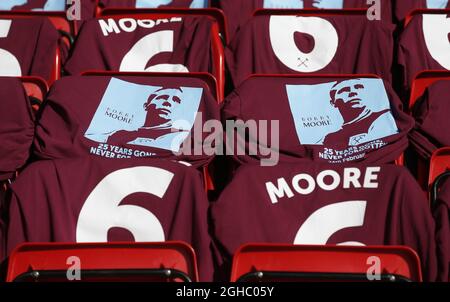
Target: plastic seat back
[(168, 261), (265, 262)]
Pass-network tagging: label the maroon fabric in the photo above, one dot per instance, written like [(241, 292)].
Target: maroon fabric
[(441, 215), (322, 135), (98, 50), (404, 7), (31, 5), (415, 54), (431, 113), (92, 116), (33, 43), (421, 144), (238, 17), (350, 130), (3, 219), (3, 229), (391, 211), (361, 46), (87, 7), (132, 3), (78, 201), (16, 127), (88, 10)]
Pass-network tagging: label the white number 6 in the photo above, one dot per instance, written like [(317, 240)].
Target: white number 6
[(326, 41), (326, 221), (102, 211), (9, 65), (148, 47), (436, 30)]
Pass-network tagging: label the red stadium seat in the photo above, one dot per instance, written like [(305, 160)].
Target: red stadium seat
[(422, 81), (440, 206), (36, 88), (423, 11), (206, 77), (214, 13), (398, 161), (84, 10), (237, 18), (58, 19), (169, 205), (154, 3), (60, 94), (404, 8), (281, 48), (219, 32), (439, 164), (263, 262), (423, 44), (66, 29), (168, 261)]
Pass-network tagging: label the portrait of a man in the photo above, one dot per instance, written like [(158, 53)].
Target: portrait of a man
[(436, 4), (159, 121), (361, 123), (144, 115), (350, 112)]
